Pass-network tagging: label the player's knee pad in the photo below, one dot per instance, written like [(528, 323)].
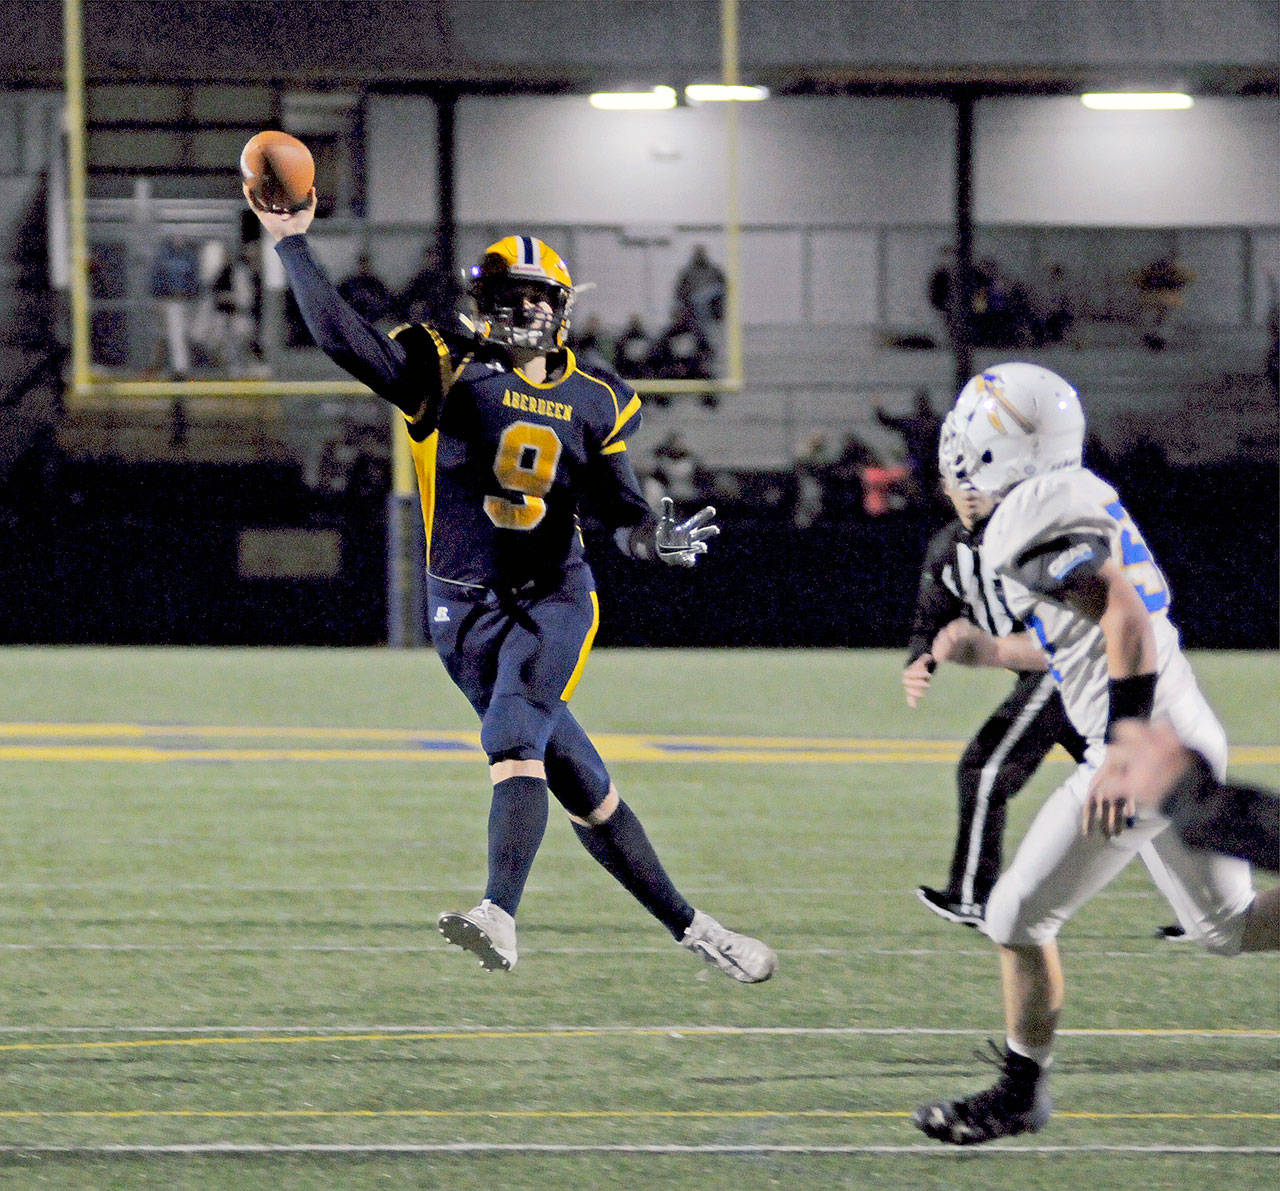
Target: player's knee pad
[(579, 784), (514, 729), (575, 772)]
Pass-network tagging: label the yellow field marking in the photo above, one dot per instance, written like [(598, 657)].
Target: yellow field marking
[(682, 1032), (405, 745), (577, 1114), (107, 754)]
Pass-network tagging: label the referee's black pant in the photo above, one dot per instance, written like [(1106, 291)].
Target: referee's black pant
[(997, 763)]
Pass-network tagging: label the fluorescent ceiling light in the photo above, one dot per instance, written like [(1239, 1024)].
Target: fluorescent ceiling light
[(720, 92), (656, 99), (1136, 101)]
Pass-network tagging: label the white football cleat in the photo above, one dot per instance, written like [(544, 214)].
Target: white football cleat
[(742, 957), (487, 931)]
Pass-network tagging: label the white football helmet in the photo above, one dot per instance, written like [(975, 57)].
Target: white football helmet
[(1011, 422)]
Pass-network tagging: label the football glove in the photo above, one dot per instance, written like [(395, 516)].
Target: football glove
[(679, 545)]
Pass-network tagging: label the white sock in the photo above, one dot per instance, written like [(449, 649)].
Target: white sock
[(1042, 1056)]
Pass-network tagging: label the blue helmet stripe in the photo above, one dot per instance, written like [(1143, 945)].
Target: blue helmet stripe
[(527, 256)]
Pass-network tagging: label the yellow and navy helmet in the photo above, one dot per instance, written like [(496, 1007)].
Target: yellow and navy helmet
[(514, 277)]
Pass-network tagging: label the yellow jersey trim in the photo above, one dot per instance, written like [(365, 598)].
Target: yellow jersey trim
[(570, 367), (572, 684), (621, 419), (614, 448), (424, 465)]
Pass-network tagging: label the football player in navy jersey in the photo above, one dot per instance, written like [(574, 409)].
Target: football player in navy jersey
[(508, 438)]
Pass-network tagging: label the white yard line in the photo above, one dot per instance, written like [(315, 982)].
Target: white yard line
[(336, 1033), (228, 1149)]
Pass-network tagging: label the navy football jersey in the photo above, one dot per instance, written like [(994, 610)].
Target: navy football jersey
[(503, 470), (503, 462)]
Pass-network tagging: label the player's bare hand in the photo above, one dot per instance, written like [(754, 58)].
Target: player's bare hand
[(279, 224), (1106, 809), (680, 543), (965, 644), (1144, 760), (916, 678)]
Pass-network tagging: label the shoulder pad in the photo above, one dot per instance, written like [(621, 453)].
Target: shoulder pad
[(416, 337), (607, 375), (1044, 509), (1053, 567), (433, 354)]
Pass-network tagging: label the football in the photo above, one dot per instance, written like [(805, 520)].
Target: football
[(279, 171)]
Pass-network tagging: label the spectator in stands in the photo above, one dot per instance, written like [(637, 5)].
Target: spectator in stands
[(682, 351), (699, 307), (886, 487), (812, 475), (843, 489), (433, 293), (631, 351), (237, 309), (175, 285), (1057, 311), (919, 430), (590, 345), (677, 472), (700, 288), (942, 289), (942, 279), (367, 293), (1001, 308), (1161, 290)]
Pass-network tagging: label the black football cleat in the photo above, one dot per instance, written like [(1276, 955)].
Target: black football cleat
[(945, 906), (1018, 1102)]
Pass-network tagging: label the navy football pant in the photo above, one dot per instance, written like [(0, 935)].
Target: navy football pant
[(516, 659)]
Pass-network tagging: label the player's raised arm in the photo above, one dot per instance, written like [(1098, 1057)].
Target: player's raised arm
[(279, 224), (352, 343)]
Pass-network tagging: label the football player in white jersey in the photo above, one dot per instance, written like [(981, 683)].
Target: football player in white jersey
[(1075, 568)]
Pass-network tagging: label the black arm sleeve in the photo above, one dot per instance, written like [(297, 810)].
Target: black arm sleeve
[(347, 339), (1238, 820), (935, 604)]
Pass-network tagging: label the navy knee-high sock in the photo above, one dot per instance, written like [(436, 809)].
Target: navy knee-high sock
[(517, 821), (623, 849)]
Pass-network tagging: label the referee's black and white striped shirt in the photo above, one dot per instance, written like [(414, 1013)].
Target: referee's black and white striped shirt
[(954, 584)]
